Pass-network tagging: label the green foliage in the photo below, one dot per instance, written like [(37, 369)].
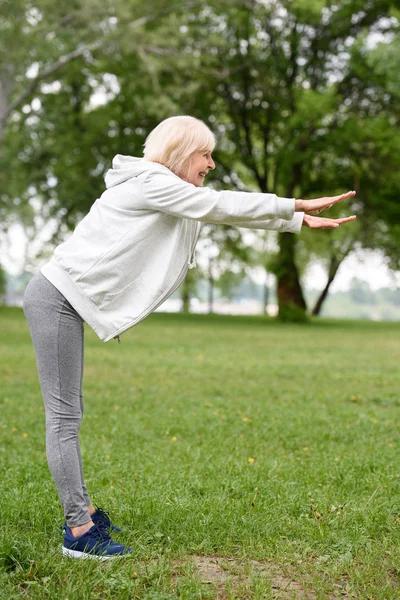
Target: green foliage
[(285, 110), (228, 283), (301, 105), (308, 12)]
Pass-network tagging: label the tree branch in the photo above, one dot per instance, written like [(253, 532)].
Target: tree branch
[(246, 125), (78, 52), (61, 62)]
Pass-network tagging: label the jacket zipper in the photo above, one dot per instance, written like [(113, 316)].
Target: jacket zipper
[(192, 260)]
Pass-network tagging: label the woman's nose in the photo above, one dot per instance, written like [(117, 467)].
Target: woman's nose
[(211, 164)]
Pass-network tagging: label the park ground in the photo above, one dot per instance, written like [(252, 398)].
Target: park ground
[(242, 458)]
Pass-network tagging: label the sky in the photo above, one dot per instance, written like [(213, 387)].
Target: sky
[(368, 266)]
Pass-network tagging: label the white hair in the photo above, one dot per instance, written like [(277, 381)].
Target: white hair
[(175, 139)]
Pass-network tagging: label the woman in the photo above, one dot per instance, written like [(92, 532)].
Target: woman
[(123, 260)]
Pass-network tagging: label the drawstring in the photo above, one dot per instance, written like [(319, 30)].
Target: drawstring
[(192, 263)]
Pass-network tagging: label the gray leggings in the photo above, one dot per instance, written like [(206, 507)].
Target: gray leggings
[(57, 335)]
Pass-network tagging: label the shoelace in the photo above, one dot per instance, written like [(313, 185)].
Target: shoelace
[(103, 523), (98, 531), (104, 515)]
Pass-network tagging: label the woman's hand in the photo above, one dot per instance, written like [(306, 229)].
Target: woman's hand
[(323, 223), (314, 207)]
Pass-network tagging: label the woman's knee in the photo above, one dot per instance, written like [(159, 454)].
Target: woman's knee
[(59, 421)]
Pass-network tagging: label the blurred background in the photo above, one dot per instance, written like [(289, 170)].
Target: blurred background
[(303, 96)]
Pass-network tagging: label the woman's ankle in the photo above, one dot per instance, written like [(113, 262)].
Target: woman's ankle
[(78, 531)]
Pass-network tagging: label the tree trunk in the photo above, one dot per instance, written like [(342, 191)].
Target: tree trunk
[(292, 305), (185, 297), (291, 302), (266, 298), (210, 289), (5, 92), (333, 269)]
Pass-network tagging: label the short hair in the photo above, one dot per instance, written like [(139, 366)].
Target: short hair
[(175, 139)]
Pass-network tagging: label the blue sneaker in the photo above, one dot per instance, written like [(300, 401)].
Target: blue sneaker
[(101, 517), (96, 543)]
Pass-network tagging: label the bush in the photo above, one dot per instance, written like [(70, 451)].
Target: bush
[(291, 313)]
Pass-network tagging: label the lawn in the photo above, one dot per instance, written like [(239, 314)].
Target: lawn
[(241, 457)]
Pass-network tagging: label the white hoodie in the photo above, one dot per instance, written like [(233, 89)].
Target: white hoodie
[(134, 247)]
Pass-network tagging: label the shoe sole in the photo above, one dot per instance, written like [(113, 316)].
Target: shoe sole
[(77, 554)]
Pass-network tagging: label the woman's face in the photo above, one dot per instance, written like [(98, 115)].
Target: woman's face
[(196, 167)]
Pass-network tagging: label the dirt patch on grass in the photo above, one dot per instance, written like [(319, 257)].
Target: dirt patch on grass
[(238, 578)]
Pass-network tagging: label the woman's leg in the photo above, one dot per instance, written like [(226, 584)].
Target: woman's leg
[(57, 334), (84, 488)]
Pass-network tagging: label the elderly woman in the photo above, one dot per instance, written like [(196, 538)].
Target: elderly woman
[(122, 261)]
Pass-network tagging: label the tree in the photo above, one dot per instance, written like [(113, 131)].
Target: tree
[(367, 143), (39, 40), (277, 75), (285, 86), (188, 288), (56, 143), (3, 283), (40, 37)]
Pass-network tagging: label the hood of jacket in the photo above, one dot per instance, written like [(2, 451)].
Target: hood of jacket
[(126, 167)]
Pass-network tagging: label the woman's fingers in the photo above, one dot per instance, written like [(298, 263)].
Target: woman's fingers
[(335, 199), (346, 219), (320, 204), (324, 223)]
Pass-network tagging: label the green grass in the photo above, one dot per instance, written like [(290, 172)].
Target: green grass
[(241, 457)]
